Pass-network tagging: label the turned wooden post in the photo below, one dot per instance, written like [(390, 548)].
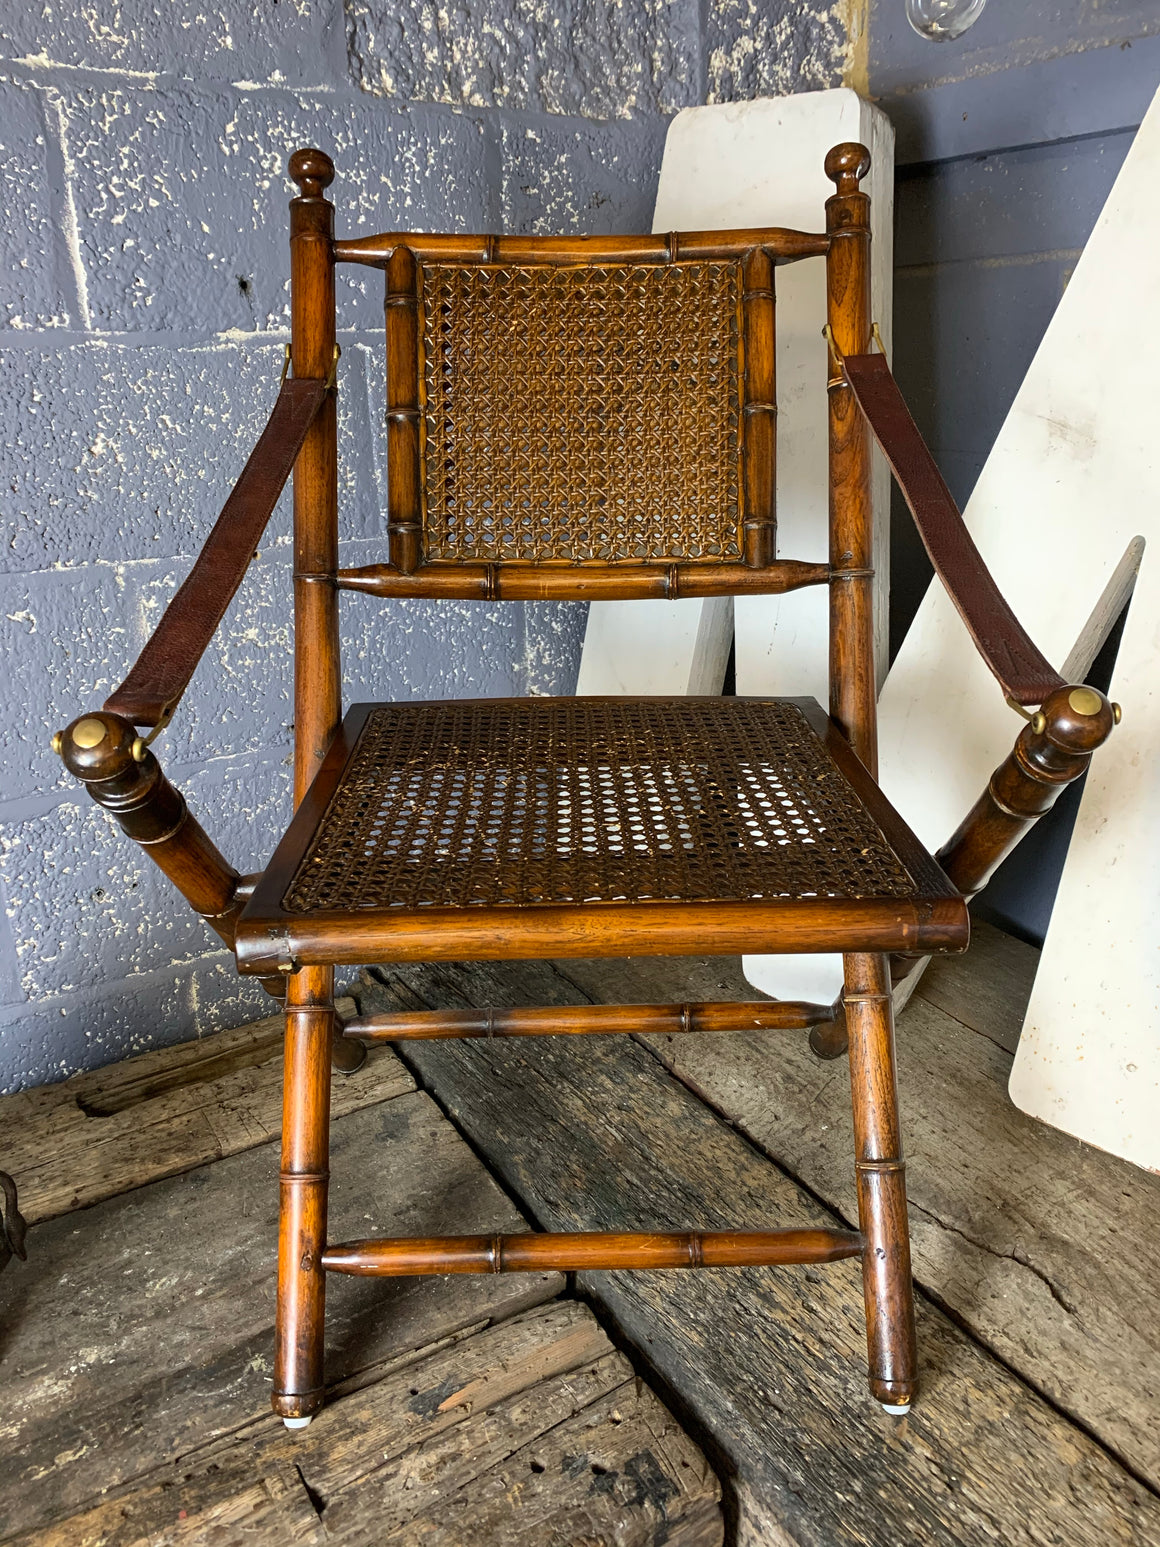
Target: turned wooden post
[(404, 472), (579, 1251), (881, 1178), (853, 678), (121, 774), (310, 1018), (853, 691), (853, 704), (759, 410), (1052, 750)]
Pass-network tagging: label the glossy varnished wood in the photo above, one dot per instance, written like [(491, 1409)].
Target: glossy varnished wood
[(853, 687), (584, 582), (590, 1020), (783, 246), (881, 1179), (784, 927), (125, 778), (404, 472), (916, 911), (298, 1342), (1051, 751), (759, 409), (585, 1251)]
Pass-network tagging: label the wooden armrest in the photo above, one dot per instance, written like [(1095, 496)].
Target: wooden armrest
[(151, 691), (1024, 674)]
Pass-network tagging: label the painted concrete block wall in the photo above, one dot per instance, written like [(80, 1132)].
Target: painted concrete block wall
[(1009, 140), (143, 310)]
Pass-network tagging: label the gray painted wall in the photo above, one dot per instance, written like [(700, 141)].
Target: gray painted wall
[(143, 308), (1009, 140)]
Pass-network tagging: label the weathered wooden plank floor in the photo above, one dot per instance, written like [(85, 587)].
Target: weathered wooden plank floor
[(1047, 1249), (1039, 1348), (135, 1342)]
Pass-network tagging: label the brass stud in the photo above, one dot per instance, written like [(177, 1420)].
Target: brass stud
[(1117, 713), (88, 733), (58, 742), (1085, 701), (139, 749), (1038, 722)]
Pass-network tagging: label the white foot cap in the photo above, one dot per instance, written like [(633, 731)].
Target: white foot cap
[(297, 1423), (887, 1407)]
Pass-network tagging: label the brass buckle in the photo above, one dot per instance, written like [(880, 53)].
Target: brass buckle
[(836, 361), (331, 377), (141, 744), (1036, 720)]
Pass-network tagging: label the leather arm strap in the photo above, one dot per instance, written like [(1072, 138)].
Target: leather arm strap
[(1023, 673), (151, 691)]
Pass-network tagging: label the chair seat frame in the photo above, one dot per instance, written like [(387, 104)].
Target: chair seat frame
[(296, 955)]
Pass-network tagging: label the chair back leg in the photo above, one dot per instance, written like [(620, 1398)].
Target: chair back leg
[(881, 1179), (298, 1341)]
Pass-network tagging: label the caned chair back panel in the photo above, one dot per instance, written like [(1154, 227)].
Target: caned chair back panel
[(606, 413), (587, 413), (594, 418)]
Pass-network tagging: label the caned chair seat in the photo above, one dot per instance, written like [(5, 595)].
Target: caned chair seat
[(745, 815)]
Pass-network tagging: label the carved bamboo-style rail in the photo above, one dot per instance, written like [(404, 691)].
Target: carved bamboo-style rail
[(581, 1250), (588, 1020), (1052, 750), (121, 774), (350, 937), (782, 245), (579, 582)]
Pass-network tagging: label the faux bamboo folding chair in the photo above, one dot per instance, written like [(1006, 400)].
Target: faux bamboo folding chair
[(575, 418)]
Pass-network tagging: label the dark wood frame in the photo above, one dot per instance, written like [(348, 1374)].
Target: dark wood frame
[(410, 573), (122, 774)]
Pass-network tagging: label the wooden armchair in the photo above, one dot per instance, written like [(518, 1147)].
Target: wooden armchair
[(576, 418)]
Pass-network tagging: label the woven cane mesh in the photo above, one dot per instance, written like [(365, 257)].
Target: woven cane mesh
[(574, 800), (581, 413)]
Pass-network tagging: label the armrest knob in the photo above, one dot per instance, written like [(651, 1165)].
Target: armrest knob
[(97, 747), (1077, 720), (121, 774), (1053, 749)]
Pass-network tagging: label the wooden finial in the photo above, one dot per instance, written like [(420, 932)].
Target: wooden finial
[(312, 170), (846, 165)]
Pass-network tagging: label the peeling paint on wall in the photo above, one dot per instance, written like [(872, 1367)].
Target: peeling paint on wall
[(596, 58), (770, 48)]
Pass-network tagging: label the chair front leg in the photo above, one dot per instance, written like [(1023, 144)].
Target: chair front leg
[(299, 1330), (881, 1183)]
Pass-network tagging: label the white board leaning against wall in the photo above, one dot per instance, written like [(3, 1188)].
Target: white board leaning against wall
[(1072, 478)]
